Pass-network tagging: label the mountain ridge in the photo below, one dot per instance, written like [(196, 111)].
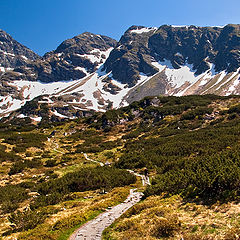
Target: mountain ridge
[(95, 72)]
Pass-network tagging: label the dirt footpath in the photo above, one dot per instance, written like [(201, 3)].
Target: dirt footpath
[(93, 229)]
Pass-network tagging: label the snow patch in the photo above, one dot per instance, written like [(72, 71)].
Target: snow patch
[(81, 69), (229, 79), (36, 119), (35, 89), (24, 57), (56, 113), (59, 114), (119, 47), (6, 53), (179, 54), (94, 58), (219, 26), (159, 66), (204, 81), (143, 30), (176, 77), (179, 26), (22, 116), (233, 87), (10, 103)]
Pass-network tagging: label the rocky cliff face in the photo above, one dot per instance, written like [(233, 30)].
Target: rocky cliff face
[(199, 46), (13, 54)]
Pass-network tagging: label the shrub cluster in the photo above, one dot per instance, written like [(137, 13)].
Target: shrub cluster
[(25, 140), (19, 166), (11, 196), (200, 163), (53, 191)]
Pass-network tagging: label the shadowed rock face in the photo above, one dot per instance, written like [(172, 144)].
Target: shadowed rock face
[(64, 62), (12, 53), (193, 45), (70, 61)]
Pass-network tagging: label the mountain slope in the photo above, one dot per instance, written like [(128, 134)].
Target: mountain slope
[(72, 60), (140, 47)]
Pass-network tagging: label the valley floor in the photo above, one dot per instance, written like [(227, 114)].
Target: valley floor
[(56, 178)]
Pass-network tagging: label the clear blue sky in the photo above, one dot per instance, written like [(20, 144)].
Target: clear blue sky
[(42, 25)]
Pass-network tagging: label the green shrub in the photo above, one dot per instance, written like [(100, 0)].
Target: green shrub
[(11, 195), (50, 163), (26, 220), (53, 191), (198, 112), (234, 109), (19, 166), (213, 178)]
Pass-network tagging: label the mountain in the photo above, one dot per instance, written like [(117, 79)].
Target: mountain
[(72, 60), (177, 60), (13, 54), (94, 72), (57, 73)]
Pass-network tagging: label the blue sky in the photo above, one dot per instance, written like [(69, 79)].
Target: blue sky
[(43, 24)]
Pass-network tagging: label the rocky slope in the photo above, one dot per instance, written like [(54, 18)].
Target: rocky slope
[(177, 60), (94, 72)]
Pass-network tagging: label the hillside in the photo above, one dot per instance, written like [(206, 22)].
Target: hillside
[(188, 144)]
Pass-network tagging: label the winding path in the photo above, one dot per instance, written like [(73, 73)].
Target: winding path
[(91, 160), (93, 229)]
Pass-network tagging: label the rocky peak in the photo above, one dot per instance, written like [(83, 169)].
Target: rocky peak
[(199, 46), (73, 59), (85, 43), (131, 56), (12, 53), (184, 44)]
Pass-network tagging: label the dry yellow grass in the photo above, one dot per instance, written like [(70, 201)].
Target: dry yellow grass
[(73, 213), (172, 218)]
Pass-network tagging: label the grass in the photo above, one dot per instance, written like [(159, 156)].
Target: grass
[(75, 213), (66, 234), (172, 218)]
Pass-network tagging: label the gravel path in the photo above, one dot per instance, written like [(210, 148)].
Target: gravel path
[(93, 229), (91, 160)]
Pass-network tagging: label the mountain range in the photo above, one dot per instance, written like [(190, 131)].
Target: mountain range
[(92, 72)]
